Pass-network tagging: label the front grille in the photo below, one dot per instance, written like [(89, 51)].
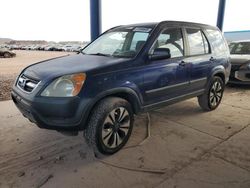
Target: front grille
[(26, 83)]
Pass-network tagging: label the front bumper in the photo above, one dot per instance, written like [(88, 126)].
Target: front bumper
[(239, 76), (62, 114)]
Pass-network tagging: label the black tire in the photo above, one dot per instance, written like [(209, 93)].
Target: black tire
[(212, 97), (6, 55), (101, 122)]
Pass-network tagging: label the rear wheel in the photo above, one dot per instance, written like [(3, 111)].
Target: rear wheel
[(211, 99), (110, 125)]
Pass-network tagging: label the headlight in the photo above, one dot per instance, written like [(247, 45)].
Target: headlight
[(245, 66), (248, 66), (65, 86)]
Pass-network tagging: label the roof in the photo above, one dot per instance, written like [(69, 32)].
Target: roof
[(187, 23), (153, 24)]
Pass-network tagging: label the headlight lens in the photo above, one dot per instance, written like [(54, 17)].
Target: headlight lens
[(65, 86), (248, 66), (245, 66)]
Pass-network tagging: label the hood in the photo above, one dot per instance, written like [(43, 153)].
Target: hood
[(68, 65), (239, 59)]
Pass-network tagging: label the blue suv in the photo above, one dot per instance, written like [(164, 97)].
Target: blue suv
[(127, 70)]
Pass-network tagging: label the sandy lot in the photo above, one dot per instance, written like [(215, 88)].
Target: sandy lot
[(11, 67), (188, 148)]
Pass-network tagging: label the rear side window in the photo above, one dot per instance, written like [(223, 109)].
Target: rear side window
[(197, 42), (216, 39)]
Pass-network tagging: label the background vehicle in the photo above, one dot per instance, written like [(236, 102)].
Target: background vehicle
[(6, 53), (53, 48), (71, 48), (240, 59), (127, 70)]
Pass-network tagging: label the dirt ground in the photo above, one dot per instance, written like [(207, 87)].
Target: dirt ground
[(188, 148), (11, 67)]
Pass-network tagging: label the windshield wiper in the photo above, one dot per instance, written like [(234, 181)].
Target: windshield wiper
[(101, 54)]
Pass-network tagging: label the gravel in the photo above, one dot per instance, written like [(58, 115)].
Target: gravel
[(6, 83)]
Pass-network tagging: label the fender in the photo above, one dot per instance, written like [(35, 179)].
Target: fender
[(218, 69), (119, 92)]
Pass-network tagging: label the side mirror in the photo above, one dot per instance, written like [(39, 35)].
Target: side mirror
[(160, 53)]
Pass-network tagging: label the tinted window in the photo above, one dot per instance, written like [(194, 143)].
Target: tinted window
[(216, 39), (231, 46), (241, 48), (172, 39), (197, 42)]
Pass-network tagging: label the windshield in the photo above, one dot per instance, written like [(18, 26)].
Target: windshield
[(119, 43), (231, 46), (240, 48)]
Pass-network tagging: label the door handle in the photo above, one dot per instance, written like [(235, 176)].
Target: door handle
[(212, 59), (182, 63)]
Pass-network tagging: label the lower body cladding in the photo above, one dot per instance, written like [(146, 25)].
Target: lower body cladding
[(65, 114), (240, 77)]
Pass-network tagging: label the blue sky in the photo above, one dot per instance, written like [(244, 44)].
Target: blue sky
[(59, 20)]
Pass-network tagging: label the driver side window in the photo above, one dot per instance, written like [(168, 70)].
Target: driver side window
[(172, 39)]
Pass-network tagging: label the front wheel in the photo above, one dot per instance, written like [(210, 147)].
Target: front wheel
[(6, 55), (211, 99), (110, 125)]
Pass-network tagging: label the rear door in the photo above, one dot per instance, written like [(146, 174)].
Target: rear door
[(220, 50), (199, 53)]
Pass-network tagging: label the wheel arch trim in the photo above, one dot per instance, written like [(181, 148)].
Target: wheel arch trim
[(218, 70), (116, 92)]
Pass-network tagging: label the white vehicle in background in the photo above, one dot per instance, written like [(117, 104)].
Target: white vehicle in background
[(240, 59), (67, 48), (71, 48)]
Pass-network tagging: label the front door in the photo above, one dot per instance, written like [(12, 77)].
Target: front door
[(166, 79)]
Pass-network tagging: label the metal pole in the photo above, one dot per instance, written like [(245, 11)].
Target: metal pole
[(221, 12), (95, 18)]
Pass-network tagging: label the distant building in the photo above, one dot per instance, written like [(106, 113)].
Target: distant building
[(237, 35)]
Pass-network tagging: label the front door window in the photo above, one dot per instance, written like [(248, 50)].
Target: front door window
[(172, 39)]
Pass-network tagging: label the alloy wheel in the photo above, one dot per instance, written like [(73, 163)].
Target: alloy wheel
[(215, 94), (115, 127)]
